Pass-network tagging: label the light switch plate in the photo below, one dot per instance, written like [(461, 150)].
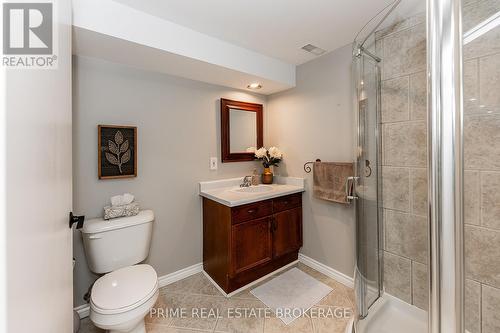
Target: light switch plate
[(213, 163)]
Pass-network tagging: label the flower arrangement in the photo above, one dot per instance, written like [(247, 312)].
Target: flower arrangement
[(269, 157)]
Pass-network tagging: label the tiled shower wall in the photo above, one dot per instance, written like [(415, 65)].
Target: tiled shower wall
[(404, 158), (482, 170)]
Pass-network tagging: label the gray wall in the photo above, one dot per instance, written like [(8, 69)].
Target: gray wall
[(314, 120), (178, 131)]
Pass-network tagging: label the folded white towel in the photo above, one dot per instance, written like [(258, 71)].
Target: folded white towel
[(120, 200)]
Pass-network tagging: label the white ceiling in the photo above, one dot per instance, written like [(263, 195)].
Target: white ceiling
[(276, 28), (102, 29)]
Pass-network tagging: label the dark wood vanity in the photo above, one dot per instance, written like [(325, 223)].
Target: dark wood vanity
[(243, 243)]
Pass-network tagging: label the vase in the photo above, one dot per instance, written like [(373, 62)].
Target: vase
[(267, 176)]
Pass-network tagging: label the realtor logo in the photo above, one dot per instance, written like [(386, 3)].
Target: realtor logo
[(28, 32)]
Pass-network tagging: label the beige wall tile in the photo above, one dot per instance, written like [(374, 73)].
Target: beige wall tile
[(473, 14), (418, 181), (401, 25), (472, 306), (475, 11), (418, 96), (471, 197), (405, 144), (489, 81), (397, 276), (395, 99), (396, 188), (490, 200), (471, 86), (406, 235), (481, 142), (491, 309), (482, 255), (420, 285), (485, 45), (405, 52)]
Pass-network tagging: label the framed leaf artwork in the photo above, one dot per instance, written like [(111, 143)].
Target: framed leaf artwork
[(117, 151)]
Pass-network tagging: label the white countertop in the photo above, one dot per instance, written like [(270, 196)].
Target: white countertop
[(225, 191)]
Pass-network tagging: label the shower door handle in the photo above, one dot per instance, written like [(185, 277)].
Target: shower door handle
[(349, 188)]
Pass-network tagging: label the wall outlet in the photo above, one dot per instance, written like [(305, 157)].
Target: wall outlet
[(213, 163)]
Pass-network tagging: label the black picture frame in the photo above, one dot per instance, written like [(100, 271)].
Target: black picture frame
[(117, 151)]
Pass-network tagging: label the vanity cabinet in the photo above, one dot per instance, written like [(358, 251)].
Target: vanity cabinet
[(243, 243)]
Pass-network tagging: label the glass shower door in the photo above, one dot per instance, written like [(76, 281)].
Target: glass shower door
[(481, 138), (368, 275)]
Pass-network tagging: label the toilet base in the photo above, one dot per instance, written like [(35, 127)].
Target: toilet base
[(140, 328)]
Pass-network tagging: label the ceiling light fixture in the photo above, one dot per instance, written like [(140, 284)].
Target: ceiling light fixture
[(313, 49), (254, 85)]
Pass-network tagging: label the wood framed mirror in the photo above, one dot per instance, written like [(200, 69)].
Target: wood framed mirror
[(241, 128)]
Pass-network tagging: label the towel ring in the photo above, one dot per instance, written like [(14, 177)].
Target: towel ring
[(307, 167)]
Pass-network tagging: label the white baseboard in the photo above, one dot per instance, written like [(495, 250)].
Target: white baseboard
[(84, 310), (179, 275), (327, 270)]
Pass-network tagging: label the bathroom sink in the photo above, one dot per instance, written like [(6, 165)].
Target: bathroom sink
[(254, 189)]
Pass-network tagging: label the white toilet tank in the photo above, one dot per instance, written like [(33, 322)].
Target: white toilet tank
[(117, 243)]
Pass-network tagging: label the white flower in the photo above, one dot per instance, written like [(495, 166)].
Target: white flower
[(251, 150), (261, 152), (275, 153)]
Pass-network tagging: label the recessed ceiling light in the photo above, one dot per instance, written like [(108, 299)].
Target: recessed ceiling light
[(254, 85), (313, 49)]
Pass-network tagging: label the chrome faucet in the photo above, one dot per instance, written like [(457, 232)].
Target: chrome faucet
[(247, 181)]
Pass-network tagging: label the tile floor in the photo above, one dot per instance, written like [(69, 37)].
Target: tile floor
[(197, 291)]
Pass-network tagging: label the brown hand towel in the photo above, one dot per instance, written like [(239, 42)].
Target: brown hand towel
[(329, 180)]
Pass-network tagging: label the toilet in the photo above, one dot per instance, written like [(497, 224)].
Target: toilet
[(124, 295)]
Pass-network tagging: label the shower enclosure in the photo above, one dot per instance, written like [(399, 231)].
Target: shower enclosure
[(427, 175), (369, 261)]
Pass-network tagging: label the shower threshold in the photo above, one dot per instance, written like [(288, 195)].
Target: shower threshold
[(391, 315)]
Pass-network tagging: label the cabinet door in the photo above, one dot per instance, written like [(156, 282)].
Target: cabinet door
[(251, 244), (287, 231)]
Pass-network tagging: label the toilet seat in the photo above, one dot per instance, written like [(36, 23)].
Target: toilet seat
[(124, 289)]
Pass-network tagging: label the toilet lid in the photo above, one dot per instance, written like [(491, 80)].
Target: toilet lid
[(124, 287)]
